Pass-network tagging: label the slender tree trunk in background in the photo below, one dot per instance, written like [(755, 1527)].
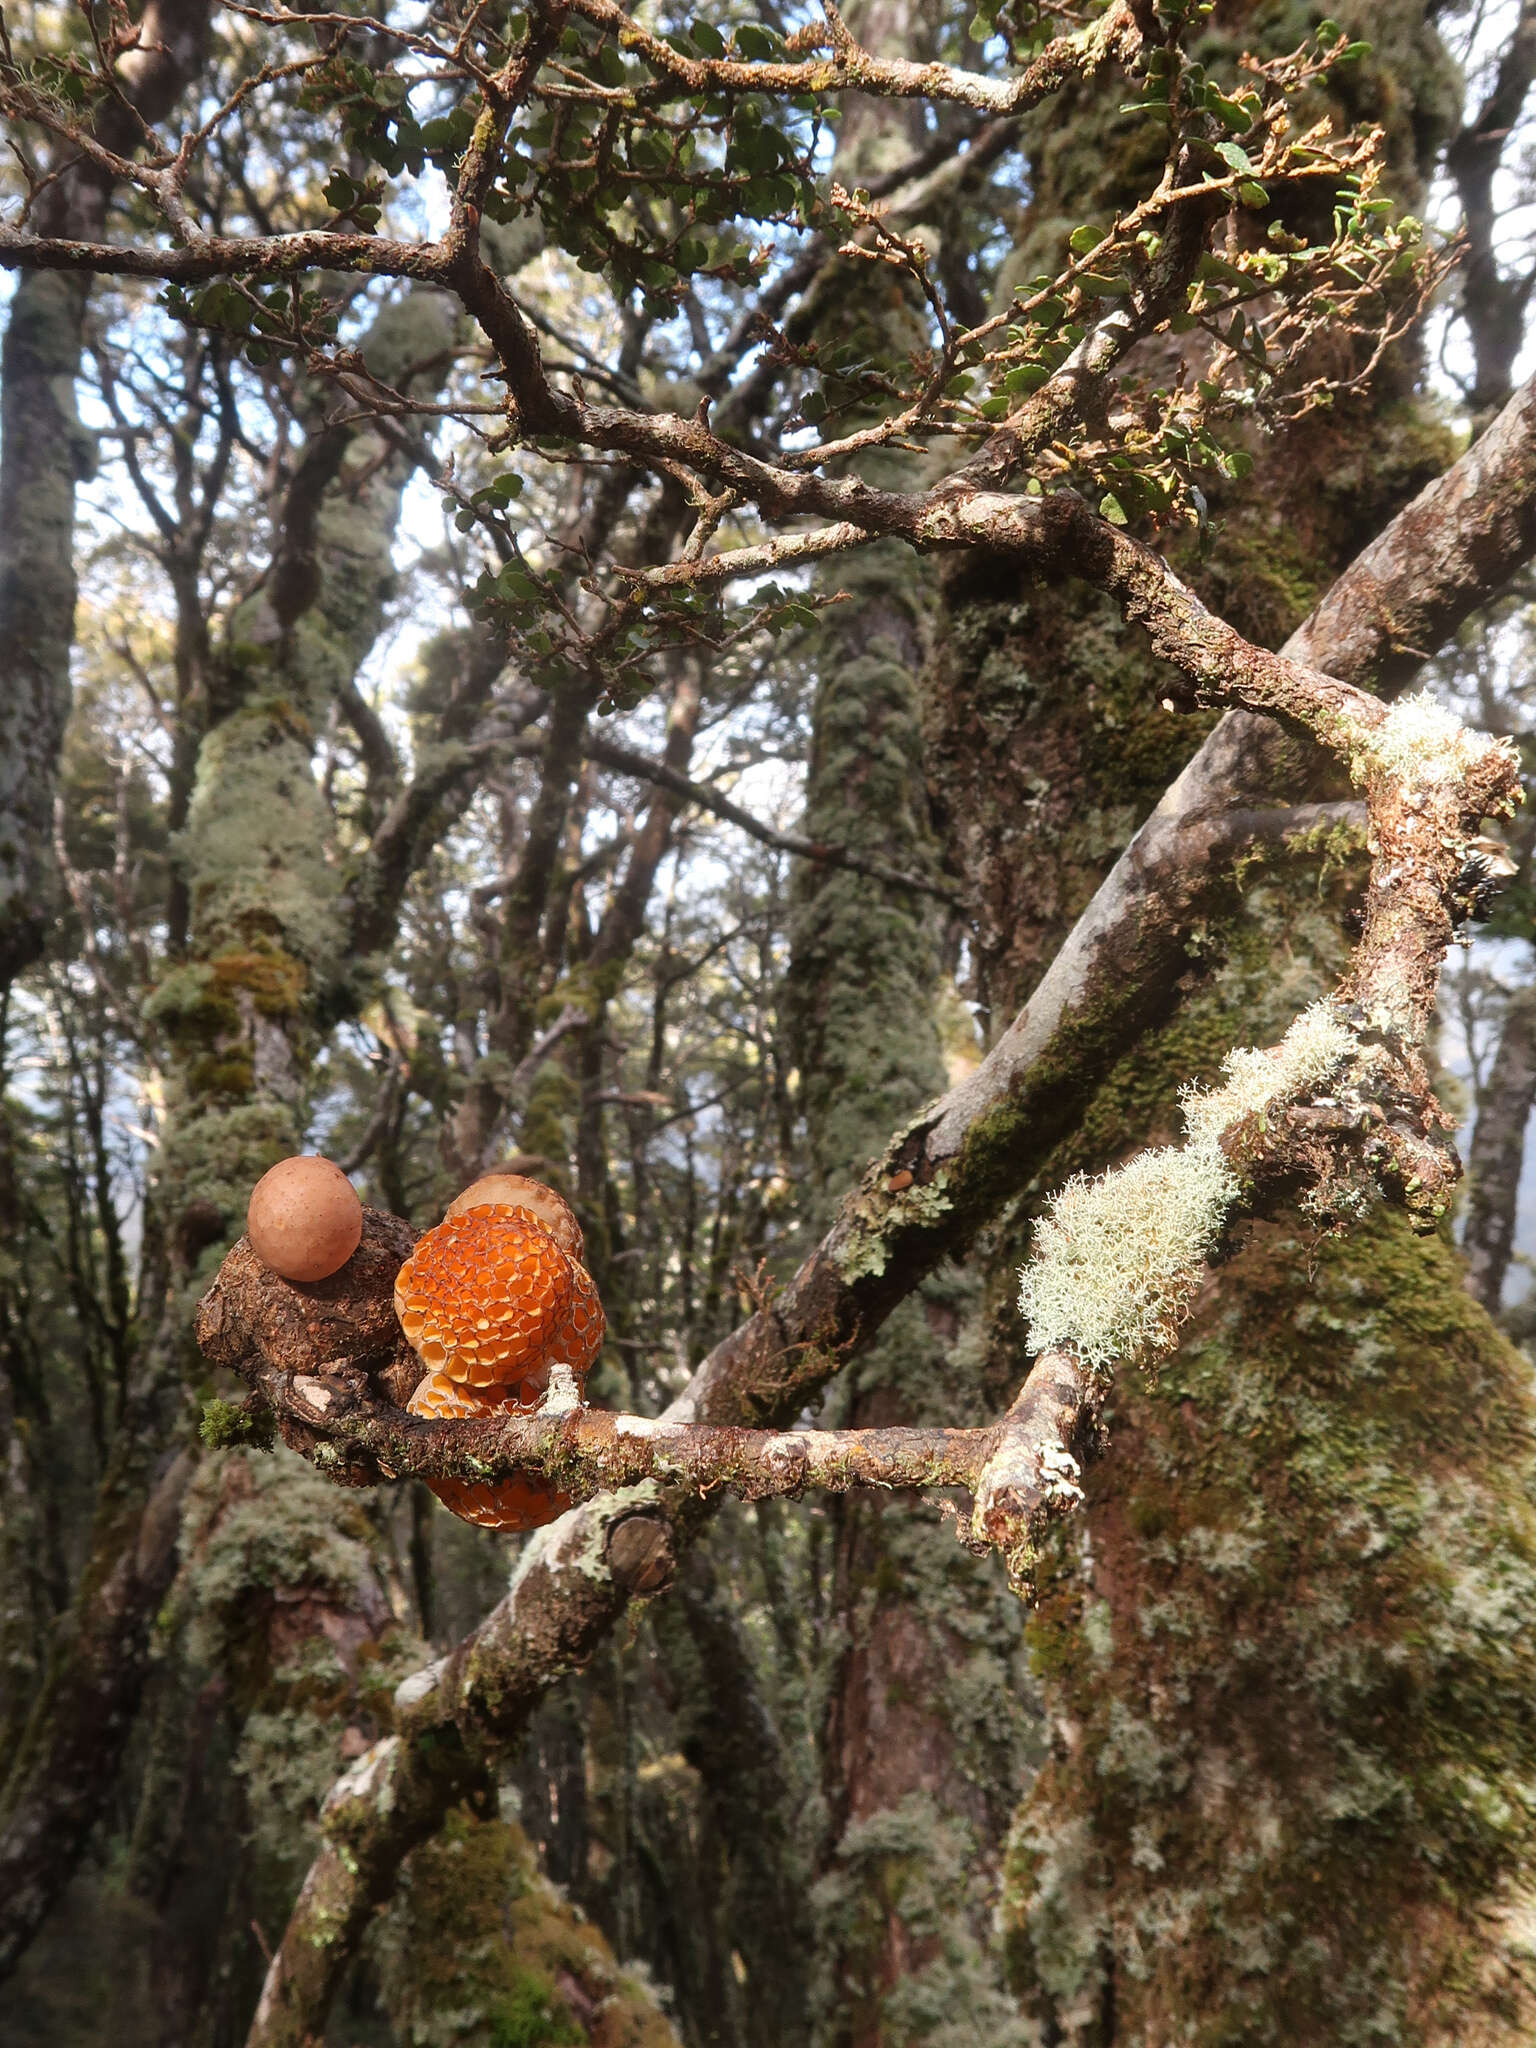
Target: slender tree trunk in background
[(1280, 1654), (30, 1565), (1493, 303), (44, 453), (596, 982), (1497, 1152), (917, 1786)]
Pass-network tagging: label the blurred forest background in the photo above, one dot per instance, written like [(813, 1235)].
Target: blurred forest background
[(326, 870)]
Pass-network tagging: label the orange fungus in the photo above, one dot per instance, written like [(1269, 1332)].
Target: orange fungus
[(490, 1301), (482, 1297), (305, 1220), (518, 1502), (543, 1206)]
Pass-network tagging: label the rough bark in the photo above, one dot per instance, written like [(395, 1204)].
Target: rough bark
[(1220, 1753)]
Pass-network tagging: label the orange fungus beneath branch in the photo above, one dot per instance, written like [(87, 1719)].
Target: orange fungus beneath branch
[(490, 1301), (518, 1502)]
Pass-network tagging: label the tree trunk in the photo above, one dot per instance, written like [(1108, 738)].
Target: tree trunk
[(1259, 1676), (1497, 1152), (44, 454), (916, 1788)]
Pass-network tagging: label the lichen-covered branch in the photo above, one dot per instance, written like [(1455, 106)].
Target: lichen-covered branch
[(1031, 1476)]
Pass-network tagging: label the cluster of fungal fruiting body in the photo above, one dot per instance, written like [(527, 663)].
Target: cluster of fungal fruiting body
[(490, 1300)]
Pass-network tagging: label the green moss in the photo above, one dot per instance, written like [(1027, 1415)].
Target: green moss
[(528, 2018), (1319, 1547), (275, 981), (188, 1002), (254, 844), (864, 955), (480, 1951), (228, 1075), (227, 1425)]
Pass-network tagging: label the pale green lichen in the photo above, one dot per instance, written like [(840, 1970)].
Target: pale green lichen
[(865, 1250), (1117, 1257), (1314, 1048), (1420, 741)]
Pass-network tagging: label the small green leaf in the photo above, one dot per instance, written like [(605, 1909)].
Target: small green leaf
[(1111, 509), (1082, 239), (1235, 114), (1235, 155), (1025, 378)]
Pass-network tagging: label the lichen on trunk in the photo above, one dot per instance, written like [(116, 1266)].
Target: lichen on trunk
[(1278, 1651)]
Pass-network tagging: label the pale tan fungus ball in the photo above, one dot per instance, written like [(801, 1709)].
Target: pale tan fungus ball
[(305, 1220), (516, 1191)]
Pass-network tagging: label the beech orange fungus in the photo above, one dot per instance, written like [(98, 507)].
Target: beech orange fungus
[(482, 1299), (304, 1220), (489, 1301), (550, 1211), (513, 1503)]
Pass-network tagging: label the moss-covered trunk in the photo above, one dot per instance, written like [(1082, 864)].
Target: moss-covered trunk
[(922, 1724), (923, 1727), (1280, 1650)]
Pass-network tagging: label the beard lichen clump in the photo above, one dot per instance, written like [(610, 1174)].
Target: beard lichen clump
[(1117, 1257)]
